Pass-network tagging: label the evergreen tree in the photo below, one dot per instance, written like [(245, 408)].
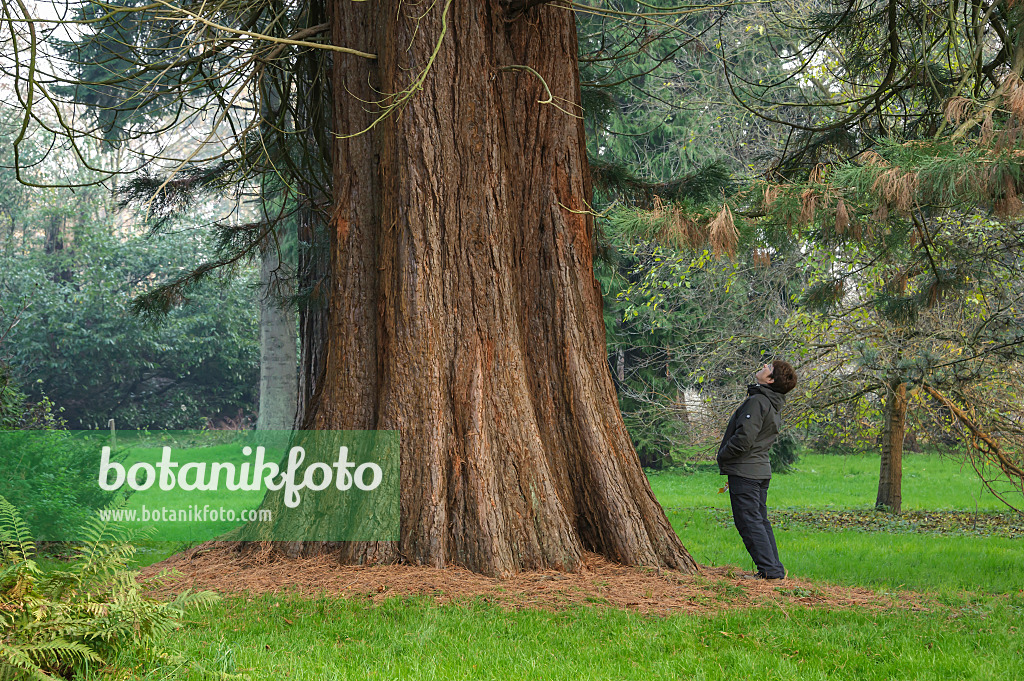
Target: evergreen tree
[(461, 304)]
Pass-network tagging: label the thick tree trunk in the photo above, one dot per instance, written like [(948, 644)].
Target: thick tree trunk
[(890, 477), (279, 379), (463, 311)]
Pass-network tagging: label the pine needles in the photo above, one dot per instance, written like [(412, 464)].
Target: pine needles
[(619, 181), (722, 233)]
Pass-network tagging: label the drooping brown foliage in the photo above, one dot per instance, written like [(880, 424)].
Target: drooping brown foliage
[(722, 233)]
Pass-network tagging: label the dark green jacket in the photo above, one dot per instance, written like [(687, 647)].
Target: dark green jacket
[(751, 433)]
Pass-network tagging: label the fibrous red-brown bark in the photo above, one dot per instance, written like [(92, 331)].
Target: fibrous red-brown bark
[(464, 312)]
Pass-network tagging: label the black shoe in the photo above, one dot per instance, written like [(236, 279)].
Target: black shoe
[(766, 578)]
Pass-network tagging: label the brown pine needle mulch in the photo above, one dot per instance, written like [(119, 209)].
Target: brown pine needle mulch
[(224, 569)]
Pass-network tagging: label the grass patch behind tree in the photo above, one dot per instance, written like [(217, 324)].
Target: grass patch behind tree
[(823, 484), (878, 560), (181, 500), (930, 482)]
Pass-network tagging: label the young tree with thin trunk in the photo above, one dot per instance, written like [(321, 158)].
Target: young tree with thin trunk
[(279, 378), (890, 476), (900, 131)]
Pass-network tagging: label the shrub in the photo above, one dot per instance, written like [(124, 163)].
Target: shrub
[(784, 453), (49, 474), (11, 401), (17, 412)]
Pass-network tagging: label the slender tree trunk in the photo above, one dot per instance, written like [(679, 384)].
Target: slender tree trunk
[(463, 310), (54, 232), (279, 379), (890, 477), (313, 125), (54, 235), (313, 274), (682, 410)]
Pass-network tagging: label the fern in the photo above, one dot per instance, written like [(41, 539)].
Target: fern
[(40, 661), (15, 536), (54, 622)]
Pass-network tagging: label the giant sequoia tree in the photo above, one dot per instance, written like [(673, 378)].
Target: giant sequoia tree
[(462, 309)]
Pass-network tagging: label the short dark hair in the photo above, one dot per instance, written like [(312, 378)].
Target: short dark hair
[(783, 377)]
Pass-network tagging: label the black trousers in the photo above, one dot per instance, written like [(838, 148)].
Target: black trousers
[(749, 500)]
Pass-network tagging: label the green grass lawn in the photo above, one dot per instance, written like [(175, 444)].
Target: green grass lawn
[(182, 502), (882, 560), (973, 628), (823, 481), (275, 637)]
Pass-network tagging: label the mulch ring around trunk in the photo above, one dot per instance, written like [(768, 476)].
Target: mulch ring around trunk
[(225, 569)]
